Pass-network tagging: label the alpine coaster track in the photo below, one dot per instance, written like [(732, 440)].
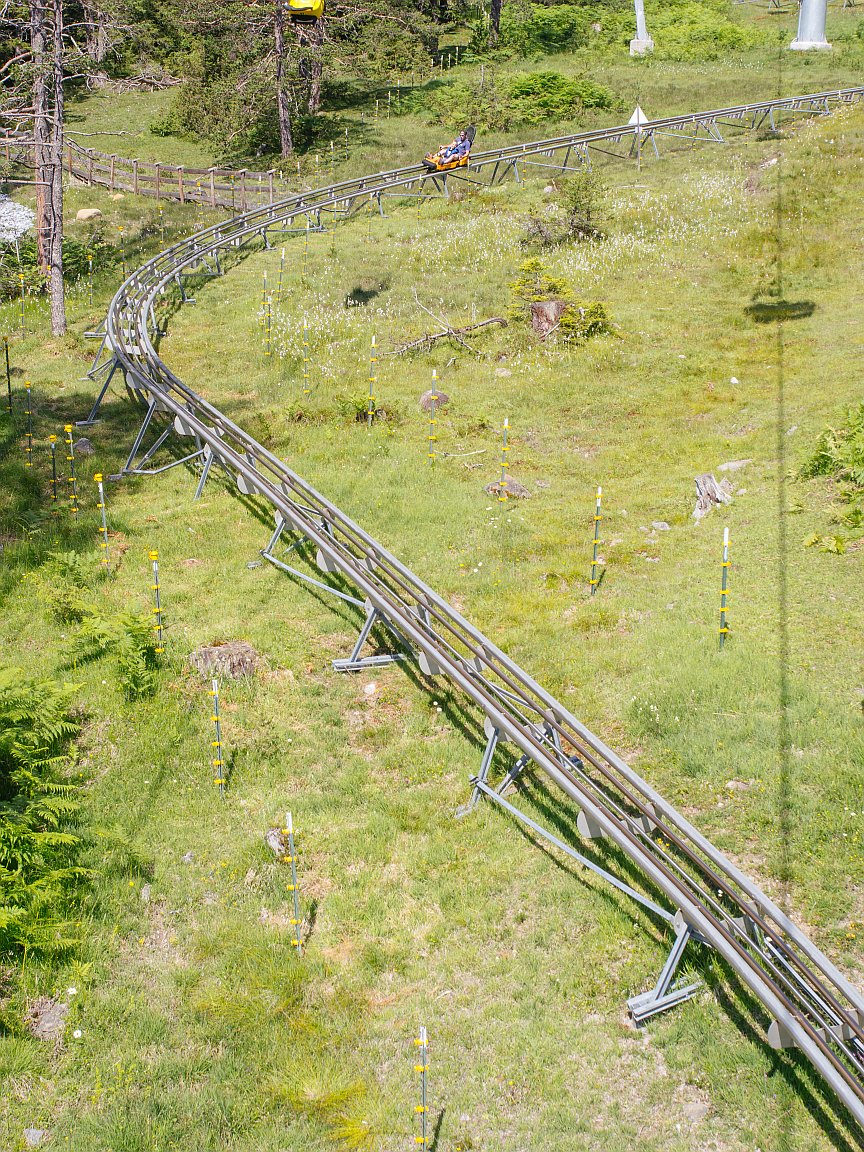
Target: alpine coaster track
[(704, 896)]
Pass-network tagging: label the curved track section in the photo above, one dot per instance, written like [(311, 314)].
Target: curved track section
[(808, 1002)]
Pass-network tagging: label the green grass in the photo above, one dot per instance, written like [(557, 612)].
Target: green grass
[(200, 1029)]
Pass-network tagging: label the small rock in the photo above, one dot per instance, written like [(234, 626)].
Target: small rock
[(277, 841), (191, 563), (370, 689), (426, 401), (734, 380), (514, 489), (695, 1111), (33, 1137), (541, 483), (250, 877), (793, 429), (503, 372), (46, 1018), (188, 858), (734, 465), (254, 564), (234, 659), (660, 526), (737, 786), (118, 196), (549, 188), (83, 447), (145, 893), (84, 214)]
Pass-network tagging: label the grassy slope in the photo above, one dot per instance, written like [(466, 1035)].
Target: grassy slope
[(200, 1029)]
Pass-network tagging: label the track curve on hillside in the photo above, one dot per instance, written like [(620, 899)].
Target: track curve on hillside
[(807, 1001)]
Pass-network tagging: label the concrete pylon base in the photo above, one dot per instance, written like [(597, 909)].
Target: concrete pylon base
[(805, 45), (640, 47)]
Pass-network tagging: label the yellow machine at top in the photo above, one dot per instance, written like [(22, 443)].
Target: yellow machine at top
[(305, 11)]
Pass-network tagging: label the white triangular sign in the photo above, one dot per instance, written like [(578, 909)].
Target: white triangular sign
[(638, 116)]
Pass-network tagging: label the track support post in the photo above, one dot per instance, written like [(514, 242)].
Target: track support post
[(664, 994), (355, 662)]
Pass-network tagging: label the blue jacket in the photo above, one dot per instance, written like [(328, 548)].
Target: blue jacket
[(457, 148)]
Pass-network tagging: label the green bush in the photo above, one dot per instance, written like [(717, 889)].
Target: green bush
[(38, 869), (25, 262), (534, 283), (527, 98), (840, 451)]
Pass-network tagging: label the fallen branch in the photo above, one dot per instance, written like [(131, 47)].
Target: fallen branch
[(428, 339), (454, 455)]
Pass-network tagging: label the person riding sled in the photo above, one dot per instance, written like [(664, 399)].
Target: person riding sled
[(455, 154)]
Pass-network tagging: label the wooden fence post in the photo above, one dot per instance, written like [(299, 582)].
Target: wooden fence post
[(111, 183), (157, 167), (270, 182), (135, 177), (90, 167), (212, 172), (242, 175), (180, 182)]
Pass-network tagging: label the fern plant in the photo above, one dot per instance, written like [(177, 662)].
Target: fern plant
[(38, 854)]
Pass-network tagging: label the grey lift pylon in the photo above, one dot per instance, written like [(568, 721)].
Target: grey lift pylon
[(643, 42), (811, 26)]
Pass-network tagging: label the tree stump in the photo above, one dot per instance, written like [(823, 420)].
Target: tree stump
[(709, 494), (546, 315), (234, 659)]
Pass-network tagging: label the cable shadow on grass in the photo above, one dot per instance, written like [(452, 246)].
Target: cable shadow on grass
[(748, 1016), (764, 312)]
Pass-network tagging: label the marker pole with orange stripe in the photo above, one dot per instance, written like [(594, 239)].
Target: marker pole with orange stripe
[(217, 761), (433, 417), (422, 1109), (157, 610), (28, 412), (70, 460), (293, 887), (724, 585), (103, 543), (597, 518)]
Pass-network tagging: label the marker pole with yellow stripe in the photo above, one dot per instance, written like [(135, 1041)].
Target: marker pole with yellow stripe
[(217, 762), (279, 281), (373, 380), (103, 543), (28, 412), (305, 253), (268, 327), (261, 318), (724, 585), (597, 518), (306, 388), (293, 887), (157, 610), (422, 1109), (52, 440), (90, 278), (122, 252), (433, 417), (21, 282), (161, 227), (505, 448), (70, 460)]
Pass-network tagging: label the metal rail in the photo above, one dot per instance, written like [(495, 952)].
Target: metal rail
[(809, 1003)]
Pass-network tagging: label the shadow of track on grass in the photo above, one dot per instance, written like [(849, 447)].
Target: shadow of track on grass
[(764, 312)]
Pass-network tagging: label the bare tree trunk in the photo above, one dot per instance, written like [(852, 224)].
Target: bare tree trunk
[(312, 64), (40, 122), (494, 22), (95, 31), (285, 138), (54, 172)]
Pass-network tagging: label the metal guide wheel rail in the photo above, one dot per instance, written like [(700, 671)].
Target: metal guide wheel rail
[(700, 894)]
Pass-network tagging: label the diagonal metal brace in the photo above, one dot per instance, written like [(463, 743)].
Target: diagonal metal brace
[(664, 995), (354, 663)]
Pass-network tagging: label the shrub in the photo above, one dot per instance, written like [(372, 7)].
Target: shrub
[(840, 451), (130, 640), (25, 261), (37, 854), (527, 98), (580, 320), (573, 213)]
